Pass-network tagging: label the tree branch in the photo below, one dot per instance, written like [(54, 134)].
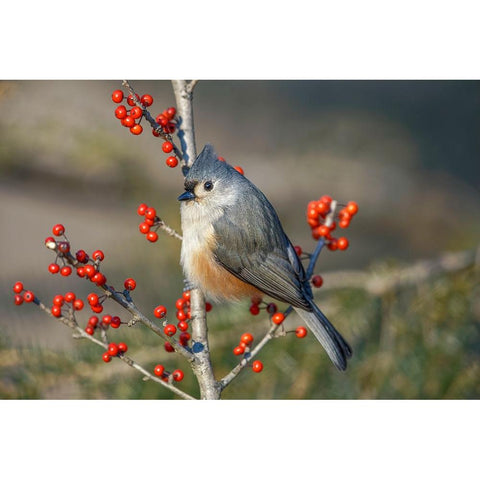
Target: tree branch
[(202, 365), (80, 333)]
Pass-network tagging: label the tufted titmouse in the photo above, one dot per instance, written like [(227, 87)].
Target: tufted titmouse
[(234, 246)]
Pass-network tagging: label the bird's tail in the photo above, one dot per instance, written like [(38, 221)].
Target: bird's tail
[(334, 344)]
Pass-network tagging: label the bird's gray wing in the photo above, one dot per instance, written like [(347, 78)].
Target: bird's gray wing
[(258, 252)]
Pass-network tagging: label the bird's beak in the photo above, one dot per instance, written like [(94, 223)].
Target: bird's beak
[(186, 196)]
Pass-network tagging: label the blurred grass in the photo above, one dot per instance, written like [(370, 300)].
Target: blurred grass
[(421, 342)]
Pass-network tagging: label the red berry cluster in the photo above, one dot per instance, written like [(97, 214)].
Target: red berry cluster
[(183, 315), (258, 304), (128, 118), (167, 120), (22, 295), (317, 212), (176, 375), (244, 345), (151, 220), (68, 300), (113, 350), (86, 266)]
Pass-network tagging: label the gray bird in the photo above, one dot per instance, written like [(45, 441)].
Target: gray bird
[(234, 246)]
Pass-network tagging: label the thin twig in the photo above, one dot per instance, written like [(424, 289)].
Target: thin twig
[(80, 333)]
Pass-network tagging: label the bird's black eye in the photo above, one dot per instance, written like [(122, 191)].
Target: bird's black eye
[(208, 186)]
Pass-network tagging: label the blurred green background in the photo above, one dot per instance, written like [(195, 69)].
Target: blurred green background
[(406, 151)]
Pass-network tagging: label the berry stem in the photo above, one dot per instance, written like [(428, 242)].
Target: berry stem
[(80, 333)]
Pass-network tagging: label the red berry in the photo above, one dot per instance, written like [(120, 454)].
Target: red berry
[(344, 223), (317, 281), (158, 370), (180, 303), (333, 244), (160, 311), (28, 296), (77, 304), (342, 243), (208, 306), (89, 270), (322, 207), (97, 308), (239, 170), (301, 332), (58, 300), (18, 287), (326, 199), (144, 228), (137, 129), (170, 329), (50, 243), (128, 121), (167, 147), (92, 299), (130, 284), (181, 315), (81, 272), (171, 161), (58, 229), (66, 270), (93, 321), (186, 294), (146, 100), (271, 308), (69, 297), (99, 279), (239, 350), (122, 347), (184, 338), (169, 127), (150, 213), (18, 299), (178, 375), (278, 318), (170, 112), (352, 208), (182, 325), (298, 250), (142, 208), (152, 237), (56, 311), (98, 255), (254, 309), (247, 338), (117, 96), (162, 120), (89, 329), (106, 357), (116, 322), (63, 247), (136, 112), (107, 319), (82, 256), (112, 349), (168, 347), (120, 112), (130, 100), (257, 366), (323, 231)]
